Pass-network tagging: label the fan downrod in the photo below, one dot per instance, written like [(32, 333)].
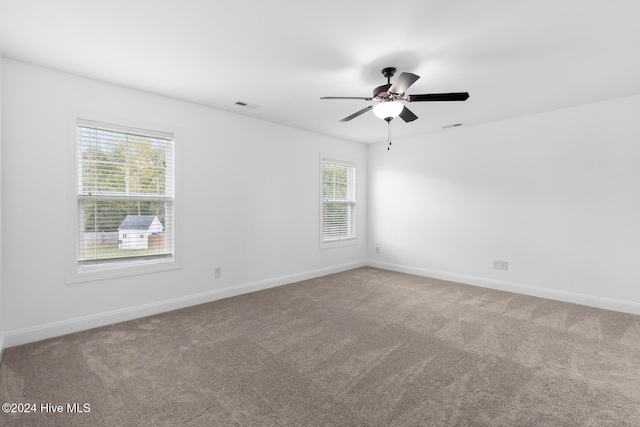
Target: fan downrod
[(388, 73), (380, 92)]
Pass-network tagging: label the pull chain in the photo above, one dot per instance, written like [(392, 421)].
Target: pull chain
[(389, 134)]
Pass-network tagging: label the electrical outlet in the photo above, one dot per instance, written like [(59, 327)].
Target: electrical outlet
[(504, 265), (217, 272), (496, 264)]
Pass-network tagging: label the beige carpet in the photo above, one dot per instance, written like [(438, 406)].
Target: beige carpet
[(362, 348)]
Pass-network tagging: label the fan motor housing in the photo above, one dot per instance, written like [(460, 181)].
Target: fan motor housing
[(381, 91)]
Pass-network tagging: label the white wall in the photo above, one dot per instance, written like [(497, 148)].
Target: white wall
[(250, 205), (554, 194), (1, 226)]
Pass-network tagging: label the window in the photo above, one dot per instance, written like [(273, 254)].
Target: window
[(338, 202), (125, 189)]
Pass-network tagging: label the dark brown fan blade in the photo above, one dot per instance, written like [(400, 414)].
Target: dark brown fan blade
[(407, 115), (403, 82), (347, 97), (354, 115), (454, 96)]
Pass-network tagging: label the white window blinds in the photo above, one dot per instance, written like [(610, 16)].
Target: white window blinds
[(125, 195), (338, 201)]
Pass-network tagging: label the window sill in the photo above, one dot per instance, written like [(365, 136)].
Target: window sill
[(338, 243), (115, 270)]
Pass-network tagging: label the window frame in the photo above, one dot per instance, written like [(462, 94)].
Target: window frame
[(339, 160), (75, 272)]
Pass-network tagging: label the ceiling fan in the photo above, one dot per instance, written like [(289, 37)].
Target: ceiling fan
[(389, 96)]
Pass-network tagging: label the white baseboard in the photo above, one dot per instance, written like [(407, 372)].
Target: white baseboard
[(518, 288), (55, 329)]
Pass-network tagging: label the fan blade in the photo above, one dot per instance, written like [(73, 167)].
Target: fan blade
[(403, 82), (455, 96), (354, 115), (407, 115), (347, 97)]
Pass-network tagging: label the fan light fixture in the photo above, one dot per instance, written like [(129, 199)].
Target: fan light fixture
[(388, 110), (388, 96)]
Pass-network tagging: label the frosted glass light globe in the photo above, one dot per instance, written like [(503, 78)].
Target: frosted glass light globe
[(389, 109)]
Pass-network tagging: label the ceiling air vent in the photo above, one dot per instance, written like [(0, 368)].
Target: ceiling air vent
[(247, 105), (455, 125)]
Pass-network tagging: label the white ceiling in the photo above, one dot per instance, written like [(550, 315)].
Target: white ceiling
[(515, 57)]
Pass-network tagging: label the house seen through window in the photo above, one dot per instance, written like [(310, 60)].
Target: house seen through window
[(125, 195)]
